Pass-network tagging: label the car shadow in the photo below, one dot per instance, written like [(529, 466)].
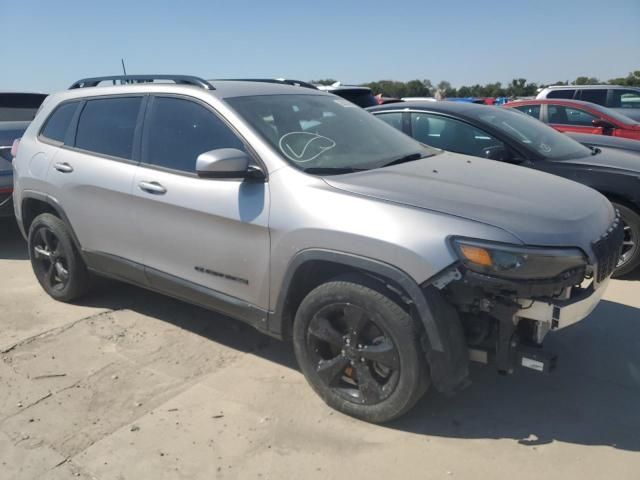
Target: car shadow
[(12, 245), (591, 399)]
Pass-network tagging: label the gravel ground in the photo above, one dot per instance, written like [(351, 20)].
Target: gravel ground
[(128, 384)]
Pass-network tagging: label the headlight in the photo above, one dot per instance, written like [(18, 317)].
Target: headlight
[(517, 262)]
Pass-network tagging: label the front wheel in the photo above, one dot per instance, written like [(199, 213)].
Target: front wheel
[(630, 255), (359, 350)]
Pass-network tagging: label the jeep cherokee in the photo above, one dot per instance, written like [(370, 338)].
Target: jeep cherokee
[(388, 263)]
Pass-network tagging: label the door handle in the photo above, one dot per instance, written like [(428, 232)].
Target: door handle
[(63, 167), (152, 187)]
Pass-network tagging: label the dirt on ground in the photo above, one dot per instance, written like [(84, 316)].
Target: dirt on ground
[(128, 384)]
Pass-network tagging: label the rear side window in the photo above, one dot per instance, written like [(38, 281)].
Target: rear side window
[(179, 130), (58, 123), (531, 110), (564, 93), (107, 126), (569, 116), (594, 96)]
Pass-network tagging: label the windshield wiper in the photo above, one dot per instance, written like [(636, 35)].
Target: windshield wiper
[(406, 158), (331, 170)]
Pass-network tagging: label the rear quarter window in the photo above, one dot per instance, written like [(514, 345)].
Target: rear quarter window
[(57, 125)]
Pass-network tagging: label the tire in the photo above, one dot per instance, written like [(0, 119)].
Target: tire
[(348, 334), (630, 258), (55, 260)]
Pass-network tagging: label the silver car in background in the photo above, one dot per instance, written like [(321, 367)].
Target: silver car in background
[(389, 264)]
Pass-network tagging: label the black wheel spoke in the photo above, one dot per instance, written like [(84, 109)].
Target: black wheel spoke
[(51, 274), (355, 318), (331, 370), (383, 353), (370, 389), (321, 328), (46, 236)]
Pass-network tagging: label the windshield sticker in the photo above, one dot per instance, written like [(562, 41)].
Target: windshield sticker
[(302, 147)]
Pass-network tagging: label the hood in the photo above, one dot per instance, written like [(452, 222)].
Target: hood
[(611, 158), (538, 208)]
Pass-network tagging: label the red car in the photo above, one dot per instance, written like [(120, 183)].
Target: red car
[(580, 117)]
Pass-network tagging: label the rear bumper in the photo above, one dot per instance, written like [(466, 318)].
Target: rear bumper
[(562, 313)]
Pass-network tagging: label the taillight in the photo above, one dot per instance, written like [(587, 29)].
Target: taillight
[(14, 147)]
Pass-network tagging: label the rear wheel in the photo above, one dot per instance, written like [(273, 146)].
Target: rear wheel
[(630, 256), (55, 259), (359, 350)]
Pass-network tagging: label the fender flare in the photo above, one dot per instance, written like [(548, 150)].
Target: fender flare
[(367, 265), (53, 203)]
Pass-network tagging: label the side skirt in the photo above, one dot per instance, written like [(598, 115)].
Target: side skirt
[(151, 279)]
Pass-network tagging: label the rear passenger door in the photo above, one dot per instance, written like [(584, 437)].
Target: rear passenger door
[(200, 234), (91, 175)]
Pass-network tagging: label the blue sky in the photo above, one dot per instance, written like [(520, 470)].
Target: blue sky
[(46, 45)]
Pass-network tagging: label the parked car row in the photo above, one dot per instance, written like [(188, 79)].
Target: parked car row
[(17, 109), (388, 262)]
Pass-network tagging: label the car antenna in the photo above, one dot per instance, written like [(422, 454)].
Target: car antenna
[(124, 70)]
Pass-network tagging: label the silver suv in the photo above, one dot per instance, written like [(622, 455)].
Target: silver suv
[(388, 263), (625, 100)]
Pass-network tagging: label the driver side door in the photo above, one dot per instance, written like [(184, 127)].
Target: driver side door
[(206, 240)]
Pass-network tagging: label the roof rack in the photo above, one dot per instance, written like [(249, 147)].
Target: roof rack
[(286, 81), (133, 79)]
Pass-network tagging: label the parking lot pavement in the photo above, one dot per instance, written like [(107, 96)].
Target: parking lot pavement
[(128, 384)]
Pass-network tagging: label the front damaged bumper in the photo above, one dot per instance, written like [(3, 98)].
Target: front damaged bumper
[(560, 313)]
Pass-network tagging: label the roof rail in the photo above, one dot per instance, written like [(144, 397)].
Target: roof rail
[(133, 79), (285, 81)]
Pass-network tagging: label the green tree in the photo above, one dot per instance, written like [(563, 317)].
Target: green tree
[(586, 81), (631, 80)]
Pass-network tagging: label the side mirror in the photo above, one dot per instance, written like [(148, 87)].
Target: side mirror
[(602, 123), (498, 152), (226, 163)]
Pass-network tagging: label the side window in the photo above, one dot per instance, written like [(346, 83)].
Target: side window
[(569, 116), (179, 130), (531, 110), (561, 93), (393, 119), (108, 125), (57, 124), (625, 99), (594, 96), (449, 134)]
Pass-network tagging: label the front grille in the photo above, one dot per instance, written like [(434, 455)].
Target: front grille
[(607, 249)]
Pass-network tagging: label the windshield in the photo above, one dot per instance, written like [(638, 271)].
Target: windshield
[(324, 134), (531, 133), (615, 115)]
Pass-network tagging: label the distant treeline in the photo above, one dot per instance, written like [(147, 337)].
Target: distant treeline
[(518, 87)]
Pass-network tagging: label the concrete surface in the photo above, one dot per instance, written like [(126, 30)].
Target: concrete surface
[(128, 384)]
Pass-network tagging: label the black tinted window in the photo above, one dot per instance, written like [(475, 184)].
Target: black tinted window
[(59, 121), (107, 126), (180, 130), (560, 93), (625, 99), (594, 96), (362, 98), (569, 116), (449, 134), (19, 106)]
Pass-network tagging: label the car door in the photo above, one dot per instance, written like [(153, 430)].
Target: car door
[(571, 119), (91, 176), (205, 239)]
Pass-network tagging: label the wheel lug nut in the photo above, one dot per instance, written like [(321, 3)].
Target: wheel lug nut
[(342, 353), (362, 359), (359, 346), (352, 362)]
